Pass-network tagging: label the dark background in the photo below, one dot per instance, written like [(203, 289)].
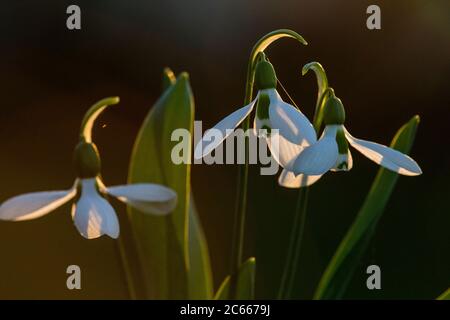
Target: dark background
[(49, 76)]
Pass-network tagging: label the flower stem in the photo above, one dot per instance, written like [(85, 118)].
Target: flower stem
[(241, 204), (296, 239), (126, 268), (302, 204)]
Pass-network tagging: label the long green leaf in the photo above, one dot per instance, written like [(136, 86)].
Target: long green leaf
[(445, 295), (199, 275), (245, 284), (173, 250), (339, 272)]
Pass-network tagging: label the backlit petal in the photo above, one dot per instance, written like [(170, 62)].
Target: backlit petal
[(293, 124), (146, 197), (34, 205), (387, 157), (213, 137), (92, 214), (319, 157)]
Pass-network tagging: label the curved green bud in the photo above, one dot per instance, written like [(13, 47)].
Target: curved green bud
[(168, 78), (265, 76), (334, 112), (92, 114), (87, 160)]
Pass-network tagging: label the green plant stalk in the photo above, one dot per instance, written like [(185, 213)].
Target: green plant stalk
[(295, 242), (241, 203), (86, 127), (120, 245), (296, 239)]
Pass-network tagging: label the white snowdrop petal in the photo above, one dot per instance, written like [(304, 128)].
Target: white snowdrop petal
[(282, 150), (146, 197), (213, 137), (93, 216), (292, 123), (34, 205), (288, 179), (387, 157), (319, 157)]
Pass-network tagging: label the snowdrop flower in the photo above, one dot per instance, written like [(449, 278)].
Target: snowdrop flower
[(92, 214), (331, 151), (294, 130)]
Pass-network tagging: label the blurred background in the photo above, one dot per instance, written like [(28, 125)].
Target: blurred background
[(50, 76)]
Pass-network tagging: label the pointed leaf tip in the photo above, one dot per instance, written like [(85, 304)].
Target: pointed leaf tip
[(168, 78), (184, 76)]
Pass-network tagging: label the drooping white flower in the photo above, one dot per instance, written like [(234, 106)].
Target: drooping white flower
[(92, 214), (331, 151), (292, 131)]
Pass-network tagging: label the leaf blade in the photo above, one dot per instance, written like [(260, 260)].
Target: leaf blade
[(338, 273), (162, 241), (245, 284)]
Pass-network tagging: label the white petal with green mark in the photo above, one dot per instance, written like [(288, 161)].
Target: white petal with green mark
[(216, 135), (385, 156), (344, 162)]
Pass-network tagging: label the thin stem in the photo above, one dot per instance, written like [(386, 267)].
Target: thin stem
[(126, 269), (241, 204), (296, 239), (284, 277), (302, 204)]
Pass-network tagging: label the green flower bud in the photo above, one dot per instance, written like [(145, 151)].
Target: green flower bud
[(87, 160), (265, 76), (334, 112)]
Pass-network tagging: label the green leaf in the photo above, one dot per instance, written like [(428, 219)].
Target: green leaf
[(445, 295), (199, 274), (245, 284), (339, 272), (173, 249)]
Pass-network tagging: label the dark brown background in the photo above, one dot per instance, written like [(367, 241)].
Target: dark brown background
[(49, 76)]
